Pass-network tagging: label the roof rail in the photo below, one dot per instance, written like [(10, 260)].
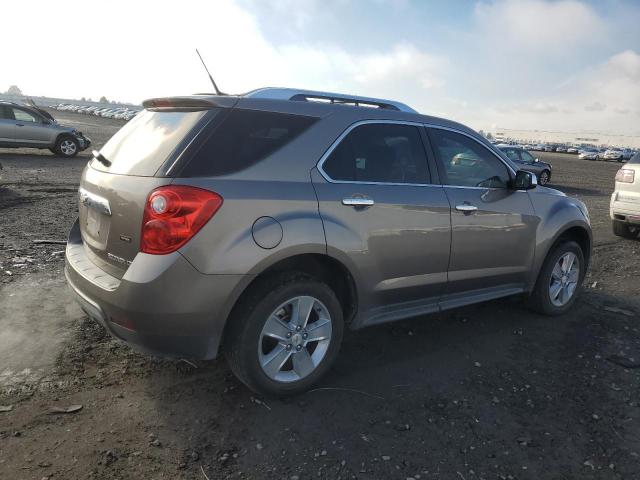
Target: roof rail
[(335, 98)]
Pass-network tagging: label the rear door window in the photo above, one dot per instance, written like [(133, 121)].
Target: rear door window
[(242, 139), (145, 143), (513, 154), (379, 153), (6, 113), (23, 116)]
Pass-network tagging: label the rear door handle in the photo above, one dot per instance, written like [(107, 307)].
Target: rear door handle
[(466, 208), (19, 124), (358, 202)]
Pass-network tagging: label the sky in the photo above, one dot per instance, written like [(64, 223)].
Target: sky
[(563, 65)]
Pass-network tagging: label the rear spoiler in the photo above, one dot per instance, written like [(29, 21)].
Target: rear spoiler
[(190, 103)]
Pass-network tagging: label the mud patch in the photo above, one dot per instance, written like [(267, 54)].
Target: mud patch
[(36, 316)]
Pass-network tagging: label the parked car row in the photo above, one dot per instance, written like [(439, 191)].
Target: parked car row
[(121, 113), (583, 151)]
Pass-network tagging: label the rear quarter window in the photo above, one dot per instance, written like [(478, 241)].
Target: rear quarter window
[(242, 139), (635, 160)]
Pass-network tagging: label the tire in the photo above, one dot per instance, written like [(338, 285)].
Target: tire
[(545, 176), (541, 299), (247, 347), (67, 146), (624, 230)]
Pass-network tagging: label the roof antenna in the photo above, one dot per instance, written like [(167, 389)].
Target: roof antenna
[(215, 87)]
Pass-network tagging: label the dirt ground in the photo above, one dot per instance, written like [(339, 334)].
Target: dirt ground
[(485, 392)]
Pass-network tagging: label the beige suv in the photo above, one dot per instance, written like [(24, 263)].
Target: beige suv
[(625, 201)]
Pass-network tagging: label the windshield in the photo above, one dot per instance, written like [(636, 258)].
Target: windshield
[(143, 145)]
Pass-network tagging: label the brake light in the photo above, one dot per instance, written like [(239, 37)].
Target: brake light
[(173, 215), (625, 175)]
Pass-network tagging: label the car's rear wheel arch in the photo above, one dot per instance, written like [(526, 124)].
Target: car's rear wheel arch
[(321, 267)]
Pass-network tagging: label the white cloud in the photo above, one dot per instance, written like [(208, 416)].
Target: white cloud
[(156, 56), (597, 99), (536, 26)]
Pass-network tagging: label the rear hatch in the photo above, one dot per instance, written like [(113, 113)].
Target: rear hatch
[(136, 160)]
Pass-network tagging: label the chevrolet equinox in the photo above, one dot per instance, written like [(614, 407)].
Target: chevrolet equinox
[(262, 225)]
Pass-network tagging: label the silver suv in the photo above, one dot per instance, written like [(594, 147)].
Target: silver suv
[(265, 224), (32, 127)]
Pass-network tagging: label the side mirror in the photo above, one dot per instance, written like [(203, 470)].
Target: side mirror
[(524, 180)]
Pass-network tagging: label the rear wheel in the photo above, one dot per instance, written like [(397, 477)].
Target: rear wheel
[(67, 147), (285, 334), (624, 230), (560, 280)]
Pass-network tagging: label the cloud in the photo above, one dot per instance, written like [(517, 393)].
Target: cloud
[(595, 107), (536, 26)]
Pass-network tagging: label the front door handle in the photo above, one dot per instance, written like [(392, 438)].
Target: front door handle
[(466, 208), (358, 202), (19, 124)]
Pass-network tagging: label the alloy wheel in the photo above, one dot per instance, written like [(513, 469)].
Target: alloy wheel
[(564, 279), (68, 147), (294, 339), (544, 178)]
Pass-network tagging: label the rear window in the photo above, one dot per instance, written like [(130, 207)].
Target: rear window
[(242, 139), (143, 145)]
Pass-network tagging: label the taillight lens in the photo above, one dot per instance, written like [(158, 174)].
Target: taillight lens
[(173, 214), (625, 175)]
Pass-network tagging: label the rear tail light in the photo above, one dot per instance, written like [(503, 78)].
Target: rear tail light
[(625, 175), (173, 215)]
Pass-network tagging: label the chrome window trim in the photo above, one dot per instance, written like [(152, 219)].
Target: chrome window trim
[(355, 125), (348, 130)]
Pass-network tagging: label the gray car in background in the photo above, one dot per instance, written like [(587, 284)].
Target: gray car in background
[(265, 224), (28, 126), (525, 161)]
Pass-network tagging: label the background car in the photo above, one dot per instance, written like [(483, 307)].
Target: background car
[(527, 162), (612, 154), (625, 200), (572, 150), (28, 126), (589, 154)]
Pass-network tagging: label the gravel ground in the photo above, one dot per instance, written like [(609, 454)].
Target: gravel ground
[(485, 392)]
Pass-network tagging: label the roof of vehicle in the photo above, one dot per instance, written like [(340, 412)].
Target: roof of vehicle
[(349, 108)]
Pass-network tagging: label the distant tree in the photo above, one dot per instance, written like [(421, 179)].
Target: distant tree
[(89, 99), (83, 99), (489, 136), (14, 90), (103, 99), (481, 132)]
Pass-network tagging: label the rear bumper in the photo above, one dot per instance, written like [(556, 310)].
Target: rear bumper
[(162, 305), (624, 211)]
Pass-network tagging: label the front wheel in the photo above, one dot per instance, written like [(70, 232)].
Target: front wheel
[(284, 335), (560, 280), (544, 177), (67, 147)]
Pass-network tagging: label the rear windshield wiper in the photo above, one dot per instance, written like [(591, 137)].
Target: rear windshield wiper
[(98, 156)]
